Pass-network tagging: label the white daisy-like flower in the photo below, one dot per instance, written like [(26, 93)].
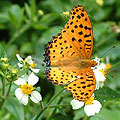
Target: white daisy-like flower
[(26, 89), (76, 104), (29, 61), (99, 73), (91, 106)]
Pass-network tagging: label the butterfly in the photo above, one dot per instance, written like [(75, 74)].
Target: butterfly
[(68, 56)]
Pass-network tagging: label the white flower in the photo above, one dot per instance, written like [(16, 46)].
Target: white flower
[(26, 89), (76, 104), (29, 61), (92, 109), (99, 73), (91, 106)]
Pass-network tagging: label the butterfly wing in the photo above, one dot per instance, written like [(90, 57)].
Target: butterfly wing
[(83, 87), (78, 31), (80, 82), (59, 52), (61, 75), (65, 50), (74, 43)]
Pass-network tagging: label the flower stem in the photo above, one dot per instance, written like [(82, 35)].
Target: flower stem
[(3, 87), (117, 64), (9, 89), (55, 97), (1, 102), (3, 92), (47, 106), (52, 106), (56, 107), (41, 105)]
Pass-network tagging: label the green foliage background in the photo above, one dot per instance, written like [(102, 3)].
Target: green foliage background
[(23, 30)]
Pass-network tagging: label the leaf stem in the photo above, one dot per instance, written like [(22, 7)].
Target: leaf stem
[(117, 64), (41, 105), (55, 97), (3, 87), (3, 92), (47, 106), (52, 106), (9, 89)]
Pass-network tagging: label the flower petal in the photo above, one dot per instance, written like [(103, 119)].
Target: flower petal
[(18, 93), (20, 65), (29, 60), (21, 97), (99, 75), (76, 104), (100, 78), (92, 108), (24, 99), (32, 79), (35, 70), (20, 81), (102, 66), (19, 58), (36, 96)]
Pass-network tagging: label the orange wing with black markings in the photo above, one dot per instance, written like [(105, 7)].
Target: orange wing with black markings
[(69, 55)]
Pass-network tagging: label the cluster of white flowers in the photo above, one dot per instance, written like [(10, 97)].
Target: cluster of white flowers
[(92, 106), (26, 82)]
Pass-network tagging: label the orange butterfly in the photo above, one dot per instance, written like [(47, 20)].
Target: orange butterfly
[(68, 55)]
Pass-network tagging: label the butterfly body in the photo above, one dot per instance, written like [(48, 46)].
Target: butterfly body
[(68, 56)]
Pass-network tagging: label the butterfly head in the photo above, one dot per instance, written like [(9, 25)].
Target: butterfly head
[(93, 63)]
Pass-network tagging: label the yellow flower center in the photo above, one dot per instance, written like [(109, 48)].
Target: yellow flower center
[(104, 73), (89, 101), (33, 65), (107, 66), (27, 89)]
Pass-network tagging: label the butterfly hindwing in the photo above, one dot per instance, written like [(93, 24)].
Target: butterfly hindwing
[(61, 75), (83, 87)]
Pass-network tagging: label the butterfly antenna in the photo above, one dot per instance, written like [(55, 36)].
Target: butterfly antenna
[(107, 51)]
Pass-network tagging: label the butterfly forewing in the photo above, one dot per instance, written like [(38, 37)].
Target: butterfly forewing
[(79, 31), (59, 52)]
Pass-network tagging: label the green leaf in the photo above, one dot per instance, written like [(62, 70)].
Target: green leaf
[(2, 52), (49, 18), (79, 114), (28, 11), (16, 16), (106, 94), (13, 106), (62, 112), (107, 114)]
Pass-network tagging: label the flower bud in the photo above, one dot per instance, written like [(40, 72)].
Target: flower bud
[(40, 12), (4, 59), (14, 71), (66, 13)]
